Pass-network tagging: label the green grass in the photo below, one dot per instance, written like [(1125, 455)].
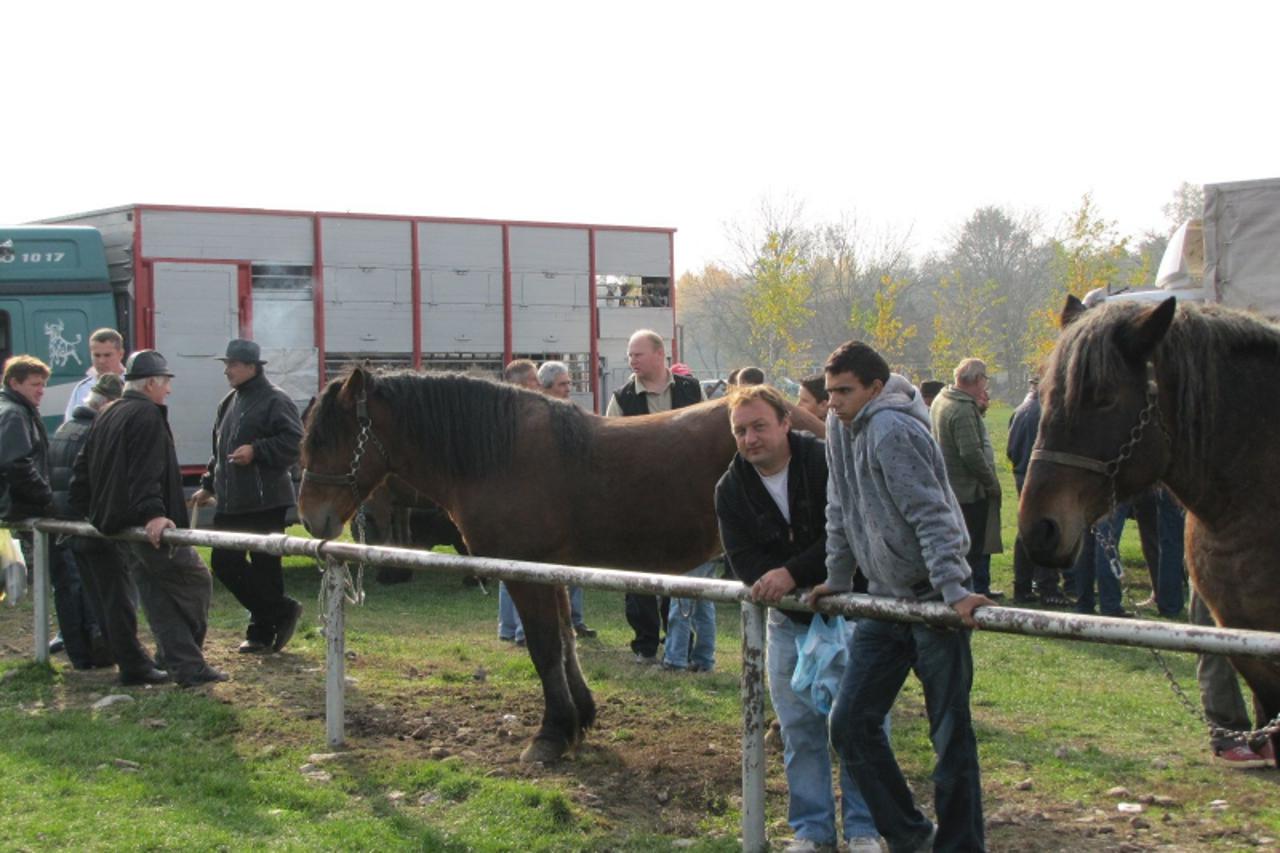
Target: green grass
[(219, 769)]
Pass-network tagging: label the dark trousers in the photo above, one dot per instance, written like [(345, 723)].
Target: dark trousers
[(107, 581), (1161, 524), (254, 578), (975, 520), (647, 616), (78, 621), (1092, 566), (880, 656), (176, 589)]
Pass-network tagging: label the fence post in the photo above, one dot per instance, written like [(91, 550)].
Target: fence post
[(335, 643), (40, 593), (753, 633)]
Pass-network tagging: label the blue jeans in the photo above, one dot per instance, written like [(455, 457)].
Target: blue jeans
[(1171, 573), (1092, 563), (509, 627), (806, 753), (880, 656), (696, 616)]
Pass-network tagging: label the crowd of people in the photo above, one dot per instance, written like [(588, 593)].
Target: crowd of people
[(901, 498)]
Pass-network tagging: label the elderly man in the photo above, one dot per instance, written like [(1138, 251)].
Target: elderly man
[(128, 475), (653, 388), (257, 436), (960, 431), (771, 505), (891, 514), (106, 349), (555, 381), (522, 372)]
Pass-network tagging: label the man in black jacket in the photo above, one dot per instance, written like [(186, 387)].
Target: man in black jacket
[(75, 564), (652, 388), (127, 476), (771, 505), (24, 444), (256, 439)]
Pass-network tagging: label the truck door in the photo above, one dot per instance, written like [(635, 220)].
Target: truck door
[(197, 310), (12, 339)]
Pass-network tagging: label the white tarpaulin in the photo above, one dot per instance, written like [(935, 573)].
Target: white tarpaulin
[(1242, 245)]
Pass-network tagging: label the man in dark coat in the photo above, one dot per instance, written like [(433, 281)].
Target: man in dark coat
[(128, 476), (257, 436), (77, 595), (652, 388), (24, 444)]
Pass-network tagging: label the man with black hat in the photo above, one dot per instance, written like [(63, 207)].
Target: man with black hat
[(257, 436), (128, 475)]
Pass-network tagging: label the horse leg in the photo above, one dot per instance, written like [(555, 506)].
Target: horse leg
[(582, 698), (540, 613)]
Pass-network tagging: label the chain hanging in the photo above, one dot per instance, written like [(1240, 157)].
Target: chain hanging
[(1110, 548)]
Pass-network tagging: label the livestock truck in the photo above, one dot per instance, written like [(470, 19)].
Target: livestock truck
[(319, 291)]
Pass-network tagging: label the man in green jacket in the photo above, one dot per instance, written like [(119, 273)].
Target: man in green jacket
[(956, 418)]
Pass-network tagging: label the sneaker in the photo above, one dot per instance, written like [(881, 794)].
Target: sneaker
[(1268, 752), (863, 844), (284, 630), (253, 647), (56, 645), (804, 845), (646, 660), (584, 632), (506, 639), (670, 667), (1243, 757)]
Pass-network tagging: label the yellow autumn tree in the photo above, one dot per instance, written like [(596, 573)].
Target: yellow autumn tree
[(962, 326), (881, 325), (778, 305), (1089, 256)]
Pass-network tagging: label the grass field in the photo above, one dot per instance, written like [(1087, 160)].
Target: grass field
[(438, 711)]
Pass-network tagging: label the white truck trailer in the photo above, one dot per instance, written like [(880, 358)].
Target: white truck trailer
[(321, 290)]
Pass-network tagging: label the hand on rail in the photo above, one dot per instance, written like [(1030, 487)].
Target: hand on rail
[(970, 603), (819, 591), (155, 527), (772, 585)]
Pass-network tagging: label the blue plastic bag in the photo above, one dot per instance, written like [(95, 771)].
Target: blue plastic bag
[(822, 653)]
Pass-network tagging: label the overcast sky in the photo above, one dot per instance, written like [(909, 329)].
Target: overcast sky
[(907, 116)]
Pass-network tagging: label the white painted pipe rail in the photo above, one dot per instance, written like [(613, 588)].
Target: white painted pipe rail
[(1071, 626)]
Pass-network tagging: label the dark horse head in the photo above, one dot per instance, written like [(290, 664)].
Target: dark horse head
[(1103, 431)]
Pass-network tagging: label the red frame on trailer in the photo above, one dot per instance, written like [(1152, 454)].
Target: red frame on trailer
[(144, 292)]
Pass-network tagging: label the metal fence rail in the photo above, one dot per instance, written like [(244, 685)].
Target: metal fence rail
[(332, 555)]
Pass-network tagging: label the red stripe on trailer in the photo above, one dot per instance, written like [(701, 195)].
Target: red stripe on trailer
[(143, 301), (507, 316), (595, 320), (416, 287), (671, 296), (244, 290), (317, 296)]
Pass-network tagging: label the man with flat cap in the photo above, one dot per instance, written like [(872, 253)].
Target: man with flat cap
[(257, 436), (128, 476)]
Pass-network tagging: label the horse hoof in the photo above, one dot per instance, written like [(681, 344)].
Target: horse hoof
[(543, 751)]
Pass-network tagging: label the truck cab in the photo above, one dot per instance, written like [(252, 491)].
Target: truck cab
[(54, 292)]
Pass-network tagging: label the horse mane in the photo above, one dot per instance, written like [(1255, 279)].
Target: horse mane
[(466, 426), (1201, 349)]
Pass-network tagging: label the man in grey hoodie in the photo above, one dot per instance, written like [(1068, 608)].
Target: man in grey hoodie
[(891, 512)]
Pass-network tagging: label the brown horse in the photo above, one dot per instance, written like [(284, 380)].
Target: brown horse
[(1133, 395), (525, 477)]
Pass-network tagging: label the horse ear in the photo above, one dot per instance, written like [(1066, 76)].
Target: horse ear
[(352, 387), (1070, 311), (1149, 329)]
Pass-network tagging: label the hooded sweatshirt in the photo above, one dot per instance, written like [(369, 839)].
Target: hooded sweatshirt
[(890, 510)]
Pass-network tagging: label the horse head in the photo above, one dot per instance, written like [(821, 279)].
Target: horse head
[(343, 457), (1102, 435)]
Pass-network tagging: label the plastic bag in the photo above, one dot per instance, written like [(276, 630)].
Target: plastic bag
[(822, 653), (14, 568)]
